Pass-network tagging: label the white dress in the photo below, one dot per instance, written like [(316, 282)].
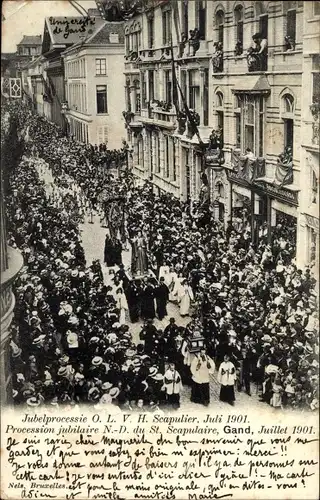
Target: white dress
[(185, 295), (172, 286), (164, 272), (122, 304)]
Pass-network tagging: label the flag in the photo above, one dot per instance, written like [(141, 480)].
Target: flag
[(284, 174), (175, 97), (191, 121)]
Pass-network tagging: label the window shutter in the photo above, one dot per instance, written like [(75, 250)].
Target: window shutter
[(105, 134)]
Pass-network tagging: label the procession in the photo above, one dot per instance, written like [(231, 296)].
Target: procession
[(159, 207), (171, 304)]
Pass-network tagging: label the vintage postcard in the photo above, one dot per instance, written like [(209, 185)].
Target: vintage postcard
[(160, 249)]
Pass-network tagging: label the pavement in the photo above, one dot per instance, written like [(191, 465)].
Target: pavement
[(93, 237)]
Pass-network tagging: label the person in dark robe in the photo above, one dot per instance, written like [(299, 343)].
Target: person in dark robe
[(122, 276), (147, 300), (108, 252), (133, 294), (162, 297), (117, 252), (150, 335)]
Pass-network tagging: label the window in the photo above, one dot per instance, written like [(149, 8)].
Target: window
[(219, 110), (193, 90), (219, 25), (185, 17), (157, 152), (174, 165), (151, 84), (102, 106), (238, 123), (127, 44), (136, 83), (101, 68), (150, 31), (288, 133), (166, 27), (238, 14), (167, 156), (140, 152), (263, 25), (288, 104), (102, 135), (201, 8), (249, 124), (288, 117), (316, 88), (143, 89), (261, 126), (314, 187), (168, 86), (291, 27), (316, 8), (183, 76), (206, 97)]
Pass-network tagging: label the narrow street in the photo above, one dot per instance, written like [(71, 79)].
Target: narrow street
[(93, 236)]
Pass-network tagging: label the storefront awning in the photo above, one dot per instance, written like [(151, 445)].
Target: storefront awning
[(257, 84)]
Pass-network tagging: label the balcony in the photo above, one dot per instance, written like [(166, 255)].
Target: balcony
[(256, 62), (245, 169), (159, 117)]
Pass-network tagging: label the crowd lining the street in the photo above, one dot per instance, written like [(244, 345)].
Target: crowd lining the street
[(70, 342)]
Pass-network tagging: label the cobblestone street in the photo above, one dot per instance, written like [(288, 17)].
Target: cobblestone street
[(93, 236)]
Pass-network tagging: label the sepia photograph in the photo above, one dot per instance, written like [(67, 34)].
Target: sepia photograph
[(160, 249)]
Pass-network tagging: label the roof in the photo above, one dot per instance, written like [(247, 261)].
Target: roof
[(31, 40), (252, 83), (66, 31), (7, 56), (102, 35)]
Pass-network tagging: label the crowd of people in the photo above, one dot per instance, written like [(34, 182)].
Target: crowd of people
[(254, 309)]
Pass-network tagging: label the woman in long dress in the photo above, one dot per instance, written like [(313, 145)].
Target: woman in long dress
[(227, 378), (185, 296), (122, 305)]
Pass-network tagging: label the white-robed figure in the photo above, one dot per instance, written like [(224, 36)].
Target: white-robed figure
[(173, 277), (164, 272), (172, 385), (122, 305), (227, 377), (202, 366), (185, 295)]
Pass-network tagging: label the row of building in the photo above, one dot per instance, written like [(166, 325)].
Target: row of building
[(102, 81)]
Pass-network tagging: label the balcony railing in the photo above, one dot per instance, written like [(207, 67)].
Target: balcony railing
[(245, 168), (256, 61)]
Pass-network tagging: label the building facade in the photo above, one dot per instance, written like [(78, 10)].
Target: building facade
[(28, 49), (94, 84), (165, 153), (244, 77), (57, 38), (308, 234)]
